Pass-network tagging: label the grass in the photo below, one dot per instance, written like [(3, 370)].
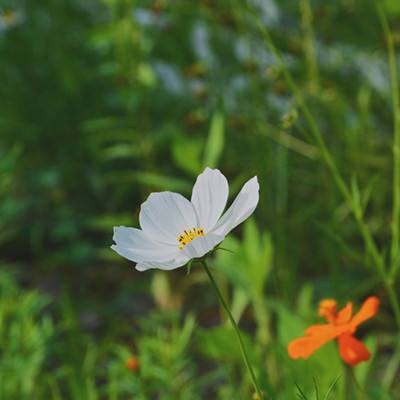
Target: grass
[(107, 102)]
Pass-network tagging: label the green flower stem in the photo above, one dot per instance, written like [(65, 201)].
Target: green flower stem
[(348, 383), (235, 327), (353, 382)]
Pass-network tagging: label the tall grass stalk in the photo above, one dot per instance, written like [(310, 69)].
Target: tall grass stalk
[(309, 44), (352, 201), (392, 366)]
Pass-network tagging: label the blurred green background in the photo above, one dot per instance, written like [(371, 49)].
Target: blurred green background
[(103, 102)]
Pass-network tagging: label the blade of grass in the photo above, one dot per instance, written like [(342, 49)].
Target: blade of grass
[(289, 141), (309, 44), (316, 388), (300, 393), (331, 387), (392, 367)]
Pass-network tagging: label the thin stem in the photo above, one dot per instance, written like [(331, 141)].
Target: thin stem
[(393, 300), (309, 44), (285, 139), (392, 366), (235, 327), (348, 384), (396, 141), (378, 261), (355, 381)]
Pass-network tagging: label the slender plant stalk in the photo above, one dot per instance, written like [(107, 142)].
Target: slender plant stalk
[(396, 139), (285, 139), (378, 261), (235, 327), (348, 384), (392, 366), (352, 388), (361, 392), (327, 157), (309, 44)]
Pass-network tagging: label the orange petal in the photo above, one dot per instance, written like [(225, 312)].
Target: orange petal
[(327, 309), (352, 350), (316, 336), (369, 308), (320, 329), (344, 315)]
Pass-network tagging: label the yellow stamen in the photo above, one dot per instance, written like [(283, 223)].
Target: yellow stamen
[(188, 235)]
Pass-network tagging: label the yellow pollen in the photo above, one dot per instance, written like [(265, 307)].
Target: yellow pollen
[(188, 235)]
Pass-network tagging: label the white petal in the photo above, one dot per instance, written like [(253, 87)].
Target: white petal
[(166, 266), (242, 207), (165, 215), (209, 197), (201, 245), (134, 245)]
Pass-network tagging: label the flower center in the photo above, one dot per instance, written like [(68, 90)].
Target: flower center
[(188, 235)]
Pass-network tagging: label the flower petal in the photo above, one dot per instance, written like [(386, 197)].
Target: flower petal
[(327, 309), (201, 245), (369, 308), (242, 207), (344, 315), (209, 197), (166, 266), (316, 336), (164, 215), (134, 245), (352, 350)]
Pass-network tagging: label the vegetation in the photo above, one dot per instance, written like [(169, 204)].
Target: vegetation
[(104, 102)]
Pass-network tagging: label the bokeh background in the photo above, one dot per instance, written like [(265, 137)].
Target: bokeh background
[(103, 102)]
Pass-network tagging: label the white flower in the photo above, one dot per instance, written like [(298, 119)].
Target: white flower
[(175, 230)]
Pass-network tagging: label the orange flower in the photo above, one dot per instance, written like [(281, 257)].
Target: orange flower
[(341, 326), (132, 363)]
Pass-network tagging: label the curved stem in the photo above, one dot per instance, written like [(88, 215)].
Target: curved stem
[(236, 328)]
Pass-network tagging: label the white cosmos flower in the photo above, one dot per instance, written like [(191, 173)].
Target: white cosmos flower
[(175, 230)]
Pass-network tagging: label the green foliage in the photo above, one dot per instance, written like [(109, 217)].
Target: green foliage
[(103, 102), (165, 364), (10, 205), (25, 335)]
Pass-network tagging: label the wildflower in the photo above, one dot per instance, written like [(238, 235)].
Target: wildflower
[(132, 363), (175, 230), (341, 326)]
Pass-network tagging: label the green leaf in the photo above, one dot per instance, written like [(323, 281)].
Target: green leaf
[(186, 154), (215, 141)]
